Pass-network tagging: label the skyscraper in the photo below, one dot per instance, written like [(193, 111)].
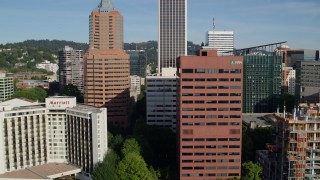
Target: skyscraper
[(209, 124), (172, 40), (107, 64), (71, 67)]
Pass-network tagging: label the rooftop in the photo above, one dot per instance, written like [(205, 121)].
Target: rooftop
[(46, 171), (261, 119)]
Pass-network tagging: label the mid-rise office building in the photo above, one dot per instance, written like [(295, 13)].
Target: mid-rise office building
[(172, 32), (71, 67), (308, 81), (161, 99), (6, 87), (262, 78), (222, 41), (107, 68), (138, 62), (209, 116), (59, 132)]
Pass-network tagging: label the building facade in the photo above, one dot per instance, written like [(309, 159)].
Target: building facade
[(222, 41), (71, 67), (6, 87), (138, 62), (59, 131), (308, 81), (86, 136), (161, 100), (135, 86), (172, 32), (290, 81), (209, 116), (107, 67), (262, 81)]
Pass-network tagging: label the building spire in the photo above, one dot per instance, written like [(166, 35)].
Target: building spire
[(106, 5)]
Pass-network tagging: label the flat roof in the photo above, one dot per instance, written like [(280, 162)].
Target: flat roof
[(45, 171), (261, 119)]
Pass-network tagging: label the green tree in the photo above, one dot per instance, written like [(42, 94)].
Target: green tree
[(107, 168), (130, 146), (133, 167), (72, 90), (116, 143), (36, 93), (251, 171)]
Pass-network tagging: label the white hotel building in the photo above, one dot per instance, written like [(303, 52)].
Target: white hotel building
[(33, 135)]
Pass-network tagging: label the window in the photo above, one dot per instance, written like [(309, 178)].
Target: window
[(200, 70), (187, 70), (187, 79)]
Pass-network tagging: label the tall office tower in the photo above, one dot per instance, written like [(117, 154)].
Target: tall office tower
[(161, 99), (262, 78), (220, 40), (290, 79), (172, 35), (71, 67), (138, 62), (308, 81), (6, 87), (107, 64), (209, 116)]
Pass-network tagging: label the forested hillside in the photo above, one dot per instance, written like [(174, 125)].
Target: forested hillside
[(24, 56)]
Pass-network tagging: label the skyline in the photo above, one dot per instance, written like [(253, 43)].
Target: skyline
[(253, 22)]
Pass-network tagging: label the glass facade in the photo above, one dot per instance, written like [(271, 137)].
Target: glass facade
[(138, 62), (261, 83)]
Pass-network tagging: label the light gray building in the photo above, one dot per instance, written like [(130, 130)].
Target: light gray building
[(6, 87), (172, 36), (308, 81)]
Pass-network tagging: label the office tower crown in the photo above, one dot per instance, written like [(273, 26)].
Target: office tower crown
[(106, 6)]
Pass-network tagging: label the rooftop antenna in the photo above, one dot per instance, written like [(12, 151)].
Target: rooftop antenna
[(213, 25)]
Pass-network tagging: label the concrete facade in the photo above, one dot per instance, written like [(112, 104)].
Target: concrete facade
[(6, 87), (222, 41), (172, 32), (59, 131), (209, 116), (71, 67)]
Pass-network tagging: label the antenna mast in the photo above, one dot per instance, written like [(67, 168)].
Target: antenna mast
[(213, 25)]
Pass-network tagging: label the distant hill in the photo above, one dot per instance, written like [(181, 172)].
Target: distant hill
[(25, 55)]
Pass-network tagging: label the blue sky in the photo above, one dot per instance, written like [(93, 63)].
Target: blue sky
[(254, 22)]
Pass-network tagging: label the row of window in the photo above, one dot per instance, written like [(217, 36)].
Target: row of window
[(211, 109), (212, 79), (211, 175), (211, 94), (211, 87), (210, 139), (211, 102), (211, 116), (205, 154), (212, 71), (210, 123), (214, 147)]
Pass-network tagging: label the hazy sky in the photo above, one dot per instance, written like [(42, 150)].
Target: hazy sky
[(254, 22)]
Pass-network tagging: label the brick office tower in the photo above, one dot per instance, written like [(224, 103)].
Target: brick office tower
[(107, 71), (209, 115)]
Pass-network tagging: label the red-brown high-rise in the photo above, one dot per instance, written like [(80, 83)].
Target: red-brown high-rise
[(107, 69), (209, 116)]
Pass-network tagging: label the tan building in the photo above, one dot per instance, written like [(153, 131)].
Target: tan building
[(107, 72)]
